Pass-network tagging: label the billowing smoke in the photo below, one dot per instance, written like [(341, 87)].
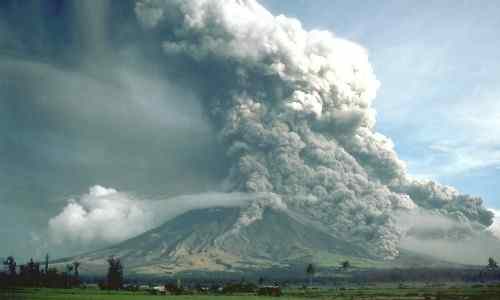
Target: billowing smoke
[(294, 109)]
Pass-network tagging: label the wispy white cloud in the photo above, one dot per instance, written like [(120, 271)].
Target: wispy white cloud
[(466, 140)]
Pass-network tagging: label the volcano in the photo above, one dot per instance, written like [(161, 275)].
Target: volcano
[(291, 111), (206, 240)]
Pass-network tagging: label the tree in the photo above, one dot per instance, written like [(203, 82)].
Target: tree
[(310, 271), (69, 268), (33, 273), (115, 274), (261, 280), (10, 264), (76, 266), (76, 279), (67, 275), (53, 279), (492, 264), (46, 269), (345, 265)]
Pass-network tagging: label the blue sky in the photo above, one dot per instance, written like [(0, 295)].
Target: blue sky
[(439, 65)]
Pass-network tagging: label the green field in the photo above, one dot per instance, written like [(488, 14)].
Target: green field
[(448, 293)]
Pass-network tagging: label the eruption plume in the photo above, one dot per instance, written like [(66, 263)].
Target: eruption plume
[(294, 108)]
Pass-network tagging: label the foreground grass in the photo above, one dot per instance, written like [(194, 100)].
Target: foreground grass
[(448, 293), (52, 294)]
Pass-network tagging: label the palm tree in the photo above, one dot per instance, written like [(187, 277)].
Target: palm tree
[(69, 269), (310, 271), (492, 264), (76, 265), (67, 275), (11, 265), (46, 269), (345, 265), (115, 273), (261, 280)]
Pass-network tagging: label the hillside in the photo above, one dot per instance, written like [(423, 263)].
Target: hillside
[(206, 240)]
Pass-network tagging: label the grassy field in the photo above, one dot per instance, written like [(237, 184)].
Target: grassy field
[(448, 293)]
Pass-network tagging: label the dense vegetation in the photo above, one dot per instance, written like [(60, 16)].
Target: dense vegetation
[(32, 275)]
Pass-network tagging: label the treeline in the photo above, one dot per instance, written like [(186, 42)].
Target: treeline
[(32, 274), (429, 275), (491, 272), (395, 275)]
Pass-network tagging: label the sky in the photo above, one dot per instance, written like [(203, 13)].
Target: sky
[(437, 62)]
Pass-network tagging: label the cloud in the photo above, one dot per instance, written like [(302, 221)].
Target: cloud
[(294, 108), (448, 237), (427, 113), (105, 216), (495, 227), (464, 144), (473, 250), (102, 215)]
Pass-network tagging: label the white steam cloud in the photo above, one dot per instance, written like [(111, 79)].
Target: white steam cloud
[(294, 108), (102, 215), (105, 216), (447, 237), (495, 227)]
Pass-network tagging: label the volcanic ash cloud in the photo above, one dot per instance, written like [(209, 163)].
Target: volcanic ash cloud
[(294, 108)]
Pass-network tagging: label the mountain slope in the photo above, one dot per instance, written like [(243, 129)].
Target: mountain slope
[(208, 240)]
